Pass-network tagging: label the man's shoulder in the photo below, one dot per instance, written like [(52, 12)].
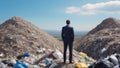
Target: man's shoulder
[(67, 27), (63, 27), (71, 27)]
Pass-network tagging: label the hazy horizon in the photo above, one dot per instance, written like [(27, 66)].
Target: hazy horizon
[(57, 33)]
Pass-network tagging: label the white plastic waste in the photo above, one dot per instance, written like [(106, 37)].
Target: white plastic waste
[(53, 65), (57, 54), (117, 66), (114, 59), (2, 65), (36, 66), (1, 55)]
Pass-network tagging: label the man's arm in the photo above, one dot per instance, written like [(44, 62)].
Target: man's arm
[(62, 34), (73, 34)]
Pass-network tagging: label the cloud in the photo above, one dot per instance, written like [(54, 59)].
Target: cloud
[(84, 27), (72, 9), (111, 7)]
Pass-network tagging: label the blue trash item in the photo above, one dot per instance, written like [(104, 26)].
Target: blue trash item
[(26, 54), (20, 64), (48, 61)]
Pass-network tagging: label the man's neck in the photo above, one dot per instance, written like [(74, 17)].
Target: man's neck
[(67, 25)]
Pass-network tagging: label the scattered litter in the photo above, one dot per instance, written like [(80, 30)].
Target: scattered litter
[(57, 54), (46, 58), (108, 62), (81, 65), (53, 65), (1, 55)]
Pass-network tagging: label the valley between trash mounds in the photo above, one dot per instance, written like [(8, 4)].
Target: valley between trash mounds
[(57, 34)]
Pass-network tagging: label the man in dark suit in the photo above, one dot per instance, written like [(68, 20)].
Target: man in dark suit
[(68, 38)]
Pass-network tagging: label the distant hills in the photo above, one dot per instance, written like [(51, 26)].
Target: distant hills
[(57, 33), (103, 40)]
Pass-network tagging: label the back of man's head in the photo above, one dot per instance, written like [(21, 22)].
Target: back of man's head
[(67, 22)]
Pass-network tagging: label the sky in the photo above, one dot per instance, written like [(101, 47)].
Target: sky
[(52, 14)]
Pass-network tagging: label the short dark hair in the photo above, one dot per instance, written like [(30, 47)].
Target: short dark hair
[(67, 21)]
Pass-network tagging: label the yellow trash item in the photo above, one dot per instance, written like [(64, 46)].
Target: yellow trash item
[(81, 65), (83, 54)]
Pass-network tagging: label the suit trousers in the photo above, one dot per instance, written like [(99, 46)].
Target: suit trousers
[(66, 44)]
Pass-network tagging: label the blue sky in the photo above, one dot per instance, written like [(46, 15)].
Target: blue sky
[(52, 14)]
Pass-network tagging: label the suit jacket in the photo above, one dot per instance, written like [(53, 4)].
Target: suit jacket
[(67, 34)]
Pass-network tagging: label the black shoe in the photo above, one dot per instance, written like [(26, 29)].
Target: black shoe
[(70, 62), (63, 63)]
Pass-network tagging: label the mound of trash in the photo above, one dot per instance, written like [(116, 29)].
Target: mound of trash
[(18, 36), (102, 41), (106, 24)]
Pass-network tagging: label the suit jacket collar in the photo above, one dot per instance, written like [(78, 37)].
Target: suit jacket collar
[(67, 25)]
